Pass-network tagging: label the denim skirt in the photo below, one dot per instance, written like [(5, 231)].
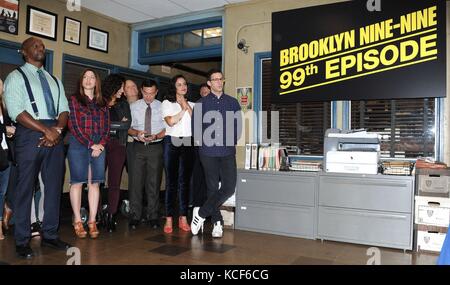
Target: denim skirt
[(80, 158)]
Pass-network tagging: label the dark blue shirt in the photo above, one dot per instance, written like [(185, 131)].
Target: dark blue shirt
[(212, 130)]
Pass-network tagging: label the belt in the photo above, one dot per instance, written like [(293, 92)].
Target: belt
[(147, 143)]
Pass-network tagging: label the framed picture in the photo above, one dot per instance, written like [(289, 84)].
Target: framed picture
[(97, 39), (41, 23), (9, 16), (72, 30), (245, 97)]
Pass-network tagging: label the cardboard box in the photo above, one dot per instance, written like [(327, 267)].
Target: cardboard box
[(430, 238), (433, 182), (228, 216), (433, 211)]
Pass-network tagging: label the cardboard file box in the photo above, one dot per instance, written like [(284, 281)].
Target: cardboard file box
[(228, 216), (433, 182), (433, 211), (430, 238)]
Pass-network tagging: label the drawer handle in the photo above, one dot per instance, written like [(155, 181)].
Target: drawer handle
[(243, 208), (244, 180), (434, 204)]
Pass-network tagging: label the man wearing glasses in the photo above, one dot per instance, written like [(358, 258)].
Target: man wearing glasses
[(217, 150)]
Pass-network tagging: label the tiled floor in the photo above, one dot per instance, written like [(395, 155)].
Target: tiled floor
[(148, 246)]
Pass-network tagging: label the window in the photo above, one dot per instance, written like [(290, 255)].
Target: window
[(212, 36), (154, 44), (6, 69), (302, 126), (192, 39), (172, 42), (72, 72), (408, 127), (186, 41)]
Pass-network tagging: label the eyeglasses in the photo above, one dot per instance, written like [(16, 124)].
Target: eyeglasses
[(217, 79)]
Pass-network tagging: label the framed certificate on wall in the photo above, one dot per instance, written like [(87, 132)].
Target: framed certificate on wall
[(41, 23), (97, 39), (72, 30)]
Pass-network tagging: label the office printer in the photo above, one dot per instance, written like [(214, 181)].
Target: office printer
[(351, 151)]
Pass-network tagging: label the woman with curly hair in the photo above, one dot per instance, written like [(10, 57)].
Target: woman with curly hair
[(178, 151), (116, 153)]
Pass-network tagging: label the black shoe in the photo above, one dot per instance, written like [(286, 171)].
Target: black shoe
[(154, 224), (55, 244), (133, 224), (110, 223), (24, 251), (102, 217)]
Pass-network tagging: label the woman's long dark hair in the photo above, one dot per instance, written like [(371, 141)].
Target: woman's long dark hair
[(81, 96), (172, 92), (111, 84)]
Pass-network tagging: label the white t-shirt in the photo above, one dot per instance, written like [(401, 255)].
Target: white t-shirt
[(183, 127)]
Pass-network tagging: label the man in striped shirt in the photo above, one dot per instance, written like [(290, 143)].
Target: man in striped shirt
[(37, 102)]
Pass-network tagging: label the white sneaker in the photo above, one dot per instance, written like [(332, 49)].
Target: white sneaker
[(197, 221), (218, 230)]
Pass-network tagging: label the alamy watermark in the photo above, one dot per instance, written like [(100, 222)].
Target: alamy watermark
[(373, 5), (375, 256), (212, 128), (73, 5), (75, 256)]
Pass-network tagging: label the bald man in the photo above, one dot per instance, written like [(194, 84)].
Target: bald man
[(36, 101)]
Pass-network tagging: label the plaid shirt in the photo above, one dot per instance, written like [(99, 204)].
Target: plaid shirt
[(89, 124)]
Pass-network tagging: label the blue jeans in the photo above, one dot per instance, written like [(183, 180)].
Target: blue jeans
[(4, 179), (178, 166), (80, 158)]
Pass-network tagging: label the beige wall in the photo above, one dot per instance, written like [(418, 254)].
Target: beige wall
[(252, 21), (119, 34)]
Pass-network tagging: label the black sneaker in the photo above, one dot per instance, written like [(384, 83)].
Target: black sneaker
[(154, 224), (55, 244), (133, 224), (24, 251), (36, 228)]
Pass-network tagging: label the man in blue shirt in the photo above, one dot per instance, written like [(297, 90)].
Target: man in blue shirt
[(37, 102), (216, 118)]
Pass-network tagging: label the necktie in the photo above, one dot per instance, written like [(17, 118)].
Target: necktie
[(47, 94), (148, 119)]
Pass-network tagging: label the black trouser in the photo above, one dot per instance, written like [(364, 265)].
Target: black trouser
[(145, 175), (30, 160), (199, 192), (217, 169)]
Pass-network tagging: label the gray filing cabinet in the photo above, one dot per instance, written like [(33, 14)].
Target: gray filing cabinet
[(366, 209), (277, 202)]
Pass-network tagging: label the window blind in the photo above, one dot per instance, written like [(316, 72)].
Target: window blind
[(407, 126), (301, 125)]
